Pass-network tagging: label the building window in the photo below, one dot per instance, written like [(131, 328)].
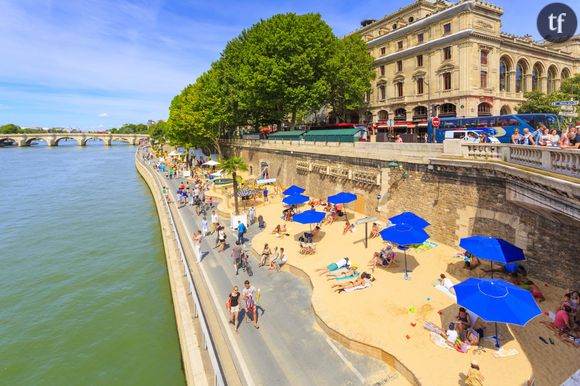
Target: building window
[(411, 19), (383, 116), (484, 110), (420, 112), (447, 81), (419, 60), (400, 115), (383, 51), (382, 92), (520, 78), (483, 57), (382, 70), (483, 79), (399, 65), (420, 38), (503, 76), (394, 26), (400, 44), (536, 74), (447, 110), (446, 53), (447, 28), (420, 86), (399, 87)]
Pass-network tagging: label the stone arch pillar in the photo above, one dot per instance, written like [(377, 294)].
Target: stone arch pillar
[(107, 141), (511, 81), (543, 83), (528, 81)]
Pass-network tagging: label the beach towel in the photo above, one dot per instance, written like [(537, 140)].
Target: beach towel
[(348, 277), (439, 341), (358, 287), (427, 245)]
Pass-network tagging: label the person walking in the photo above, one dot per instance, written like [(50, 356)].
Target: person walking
[(237, 256), (214, 222), (204, 226), (197, 237), (241, 231), (252, 215), (233, 306), (248, 295)]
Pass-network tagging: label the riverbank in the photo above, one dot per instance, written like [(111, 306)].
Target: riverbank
[(189, 337)]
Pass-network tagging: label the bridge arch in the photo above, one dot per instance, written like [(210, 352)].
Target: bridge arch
[(94, 139), (29, 141), (65, 138), (7, 140)]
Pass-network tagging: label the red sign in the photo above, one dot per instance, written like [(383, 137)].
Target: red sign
[(435, 122)]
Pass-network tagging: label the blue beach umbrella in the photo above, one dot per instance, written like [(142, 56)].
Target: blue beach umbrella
[(309, 217), (342, 198), (493, 249), (293, 190), (497, 301), (295, 199), (404, 235), (409, 218)]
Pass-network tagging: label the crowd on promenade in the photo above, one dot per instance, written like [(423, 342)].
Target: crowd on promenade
[(542, 136)]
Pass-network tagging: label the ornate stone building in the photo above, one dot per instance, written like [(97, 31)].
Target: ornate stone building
[(454, 59)]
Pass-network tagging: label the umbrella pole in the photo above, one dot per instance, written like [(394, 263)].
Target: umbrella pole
[(366, 234), (496, 336), (491, 270), (406, 274)]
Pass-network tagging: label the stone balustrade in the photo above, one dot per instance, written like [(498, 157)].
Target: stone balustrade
[(553, 159), (556, 160)]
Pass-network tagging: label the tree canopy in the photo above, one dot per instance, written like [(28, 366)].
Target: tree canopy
[(539, 102), (276, 71)]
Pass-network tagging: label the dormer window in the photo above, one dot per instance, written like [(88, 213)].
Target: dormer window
[(394, 26), (411, 19)]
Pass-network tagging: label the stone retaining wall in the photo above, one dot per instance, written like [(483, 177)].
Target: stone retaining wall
[(457, 201)]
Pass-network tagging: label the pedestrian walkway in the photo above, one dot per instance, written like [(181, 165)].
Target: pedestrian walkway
[(289, 347)]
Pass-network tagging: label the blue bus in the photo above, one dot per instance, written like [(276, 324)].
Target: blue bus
[(500, 126)]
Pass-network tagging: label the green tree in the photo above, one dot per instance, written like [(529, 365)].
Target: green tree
[(158, 130), (183, 118), (349, 74), (571, 87), (538, 102), (279, 67), (232, 166), (10, 129)]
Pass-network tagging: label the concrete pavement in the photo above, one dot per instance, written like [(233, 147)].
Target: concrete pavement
[(289, 348)]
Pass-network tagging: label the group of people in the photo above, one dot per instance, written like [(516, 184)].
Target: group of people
[(346, 276), (248, 299), (273, 260), (542, 136), (567, 316)]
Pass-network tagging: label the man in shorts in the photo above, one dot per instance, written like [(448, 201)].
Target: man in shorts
[(237, 256), (215, 221), (249, 297)]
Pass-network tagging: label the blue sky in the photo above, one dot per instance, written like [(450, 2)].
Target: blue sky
[(97, 64)]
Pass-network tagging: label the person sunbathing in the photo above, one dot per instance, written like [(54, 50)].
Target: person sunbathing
[(375, 231), (308, 237), (279, 231), (328, 207), (330, 217), (342, 263), (348, 227), (363, 280), (350, 272)]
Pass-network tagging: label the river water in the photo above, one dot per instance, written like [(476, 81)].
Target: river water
[(84, 292)]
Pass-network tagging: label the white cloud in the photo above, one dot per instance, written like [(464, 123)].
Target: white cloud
[(103, 115)]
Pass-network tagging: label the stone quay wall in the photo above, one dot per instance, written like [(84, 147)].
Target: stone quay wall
[(458, 199)]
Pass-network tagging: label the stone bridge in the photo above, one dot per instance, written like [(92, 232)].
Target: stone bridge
[(52, 139)]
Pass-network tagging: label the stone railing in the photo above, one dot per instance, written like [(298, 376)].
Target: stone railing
[(555, 160), (561, 161)]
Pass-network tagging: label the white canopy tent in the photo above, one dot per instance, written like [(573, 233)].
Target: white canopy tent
[(211, 163)]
